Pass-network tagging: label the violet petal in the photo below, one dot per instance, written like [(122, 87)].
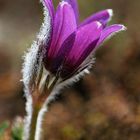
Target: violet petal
[(64, 25), (62, 53), (75, 8), (103, 16), (110, 31), (86, 39)]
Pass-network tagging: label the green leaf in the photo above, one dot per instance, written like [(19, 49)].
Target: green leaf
[(17, 132), (3, 128)]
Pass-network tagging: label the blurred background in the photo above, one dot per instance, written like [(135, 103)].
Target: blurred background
[(104, 105)]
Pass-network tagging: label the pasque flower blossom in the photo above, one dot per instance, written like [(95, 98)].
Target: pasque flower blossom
[(65, 47), (71, 42)]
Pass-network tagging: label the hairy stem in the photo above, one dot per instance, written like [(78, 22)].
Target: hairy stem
[(34, 119), (39, 125), (36, 107)]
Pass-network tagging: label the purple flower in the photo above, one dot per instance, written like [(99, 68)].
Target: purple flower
[(72, 43)]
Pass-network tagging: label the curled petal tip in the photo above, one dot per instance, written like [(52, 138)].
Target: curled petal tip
[(103, 16), (120, 27), (110, 11), (123, 28), (110, 31)]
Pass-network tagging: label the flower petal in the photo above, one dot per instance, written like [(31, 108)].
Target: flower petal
[(64, 25), (75, 8), (86, 39), (50, 7), (62, 53), (103, 16), (110, 31)]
